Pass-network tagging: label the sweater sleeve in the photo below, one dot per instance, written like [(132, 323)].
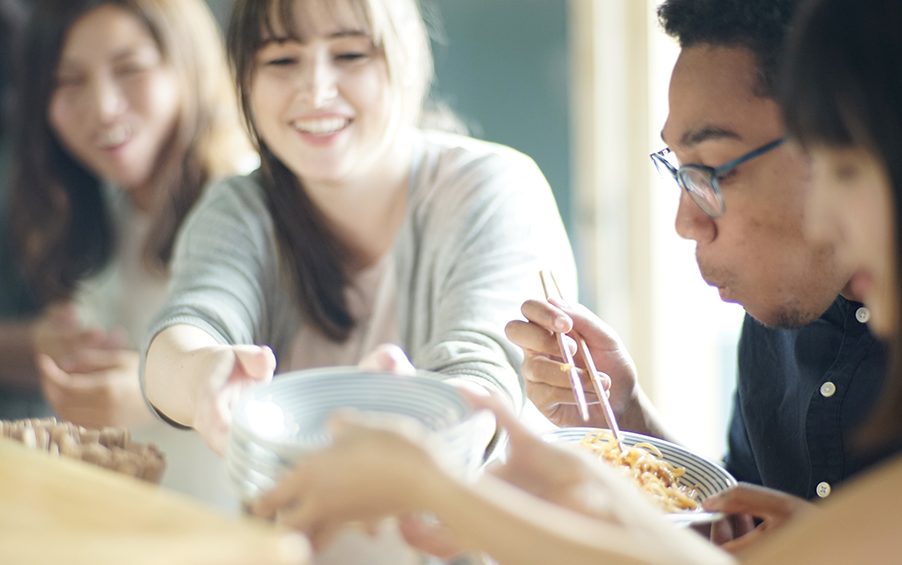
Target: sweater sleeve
[(224, 268), (488, 225)]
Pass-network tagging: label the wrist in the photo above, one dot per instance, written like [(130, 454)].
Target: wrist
[(640, 416)]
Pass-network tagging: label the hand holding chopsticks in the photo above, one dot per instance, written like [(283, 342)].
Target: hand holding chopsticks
[(547, 277)]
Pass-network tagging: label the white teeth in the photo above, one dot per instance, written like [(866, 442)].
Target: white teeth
[(322, 126), (115, 136)]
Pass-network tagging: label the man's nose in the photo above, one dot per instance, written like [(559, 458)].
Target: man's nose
[(692, 223)]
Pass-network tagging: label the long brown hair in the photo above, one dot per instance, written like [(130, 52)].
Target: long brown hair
[(311, 255), (58, 213), (842, 87)]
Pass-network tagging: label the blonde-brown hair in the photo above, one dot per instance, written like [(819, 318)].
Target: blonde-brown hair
[(59, 216), (312, 257)]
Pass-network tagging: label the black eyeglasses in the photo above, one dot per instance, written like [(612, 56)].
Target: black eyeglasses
[(700, 181)]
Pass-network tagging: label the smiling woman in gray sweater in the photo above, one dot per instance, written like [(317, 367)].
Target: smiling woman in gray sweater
[(358, 229)]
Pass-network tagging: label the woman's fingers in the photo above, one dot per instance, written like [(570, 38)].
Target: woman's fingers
[(284, 494), (232, 370), (388, 358), (89, 360), (257, 361), (434, 539), (503, 416)]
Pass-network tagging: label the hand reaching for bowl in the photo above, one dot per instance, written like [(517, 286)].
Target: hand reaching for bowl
[(379, 467), (375, 468), (743, 504), (195, 381), (388, 358)]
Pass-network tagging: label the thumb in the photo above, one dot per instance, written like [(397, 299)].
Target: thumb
[(258, 361), (387, 358), (503, 416), (345, 422), (433, 539), (50, 371), (746, 499)]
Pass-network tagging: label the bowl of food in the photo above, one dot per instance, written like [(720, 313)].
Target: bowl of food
[(277, 424), (674, 478)]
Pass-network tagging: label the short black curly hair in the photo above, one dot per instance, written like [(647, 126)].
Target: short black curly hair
[(757, 25)]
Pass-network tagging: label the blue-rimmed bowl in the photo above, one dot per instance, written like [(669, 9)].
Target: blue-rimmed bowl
[(277, 424), (705, 476)]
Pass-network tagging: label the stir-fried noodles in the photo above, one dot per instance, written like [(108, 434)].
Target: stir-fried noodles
[(644, 464)]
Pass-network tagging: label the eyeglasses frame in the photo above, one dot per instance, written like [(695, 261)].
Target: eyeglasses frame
[(712, 172)]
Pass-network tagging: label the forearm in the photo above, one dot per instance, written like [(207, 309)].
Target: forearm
[(176, 360), (642, 417), (17, 357), (515, 527)]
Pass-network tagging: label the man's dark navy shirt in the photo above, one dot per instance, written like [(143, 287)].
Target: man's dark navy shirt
[(801, 394)]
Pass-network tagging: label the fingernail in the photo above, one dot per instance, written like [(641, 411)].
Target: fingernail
[(561, 324)]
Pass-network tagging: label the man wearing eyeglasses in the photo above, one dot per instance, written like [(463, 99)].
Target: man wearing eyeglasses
[(809, 370)]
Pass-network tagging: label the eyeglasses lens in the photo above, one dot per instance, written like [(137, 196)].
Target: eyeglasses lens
[(698, 183)]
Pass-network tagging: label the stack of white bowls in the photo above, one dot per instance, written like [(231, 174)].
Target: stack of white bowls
[(277, 424)]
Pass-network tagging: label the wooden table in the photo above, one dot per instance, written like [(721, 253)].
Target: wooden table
[(60, 511)]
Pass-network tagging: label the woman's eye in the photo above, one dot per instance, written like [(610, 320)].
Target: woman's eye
[(281, 62), (127, 70), (351, 56)]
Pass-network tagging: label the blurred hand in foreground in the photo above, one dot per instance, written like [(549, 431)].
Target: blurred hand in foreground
[(87, 375), (386, 465), (743, 504), (376, 467), (95, 388)]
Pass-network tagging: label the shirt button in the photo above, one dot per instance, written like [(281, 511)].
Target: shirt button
[(828, 389), (823, 490), (863, 315)]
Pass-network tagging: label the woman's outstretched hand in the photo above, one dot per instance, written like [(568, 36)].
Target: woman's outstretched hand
[(195, 381), (232, 370)]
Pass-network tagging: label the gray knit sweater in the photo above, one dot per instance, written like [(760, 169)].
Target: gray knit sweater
[(481, 221)]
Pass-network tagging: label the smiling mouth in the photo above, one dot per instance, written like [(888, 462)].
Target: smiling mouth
[(321, 126), (115, 137)]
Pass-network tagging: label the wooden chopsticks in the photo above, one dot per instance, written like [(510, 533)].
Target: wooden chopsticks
[(583, 350)]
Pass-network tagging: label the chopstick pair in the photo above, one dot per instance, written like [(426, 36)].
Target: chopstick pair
[(583, 350)]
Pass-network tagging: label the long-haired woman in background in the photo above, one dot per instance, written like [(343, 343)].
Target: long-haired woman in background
[(125, 112)]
